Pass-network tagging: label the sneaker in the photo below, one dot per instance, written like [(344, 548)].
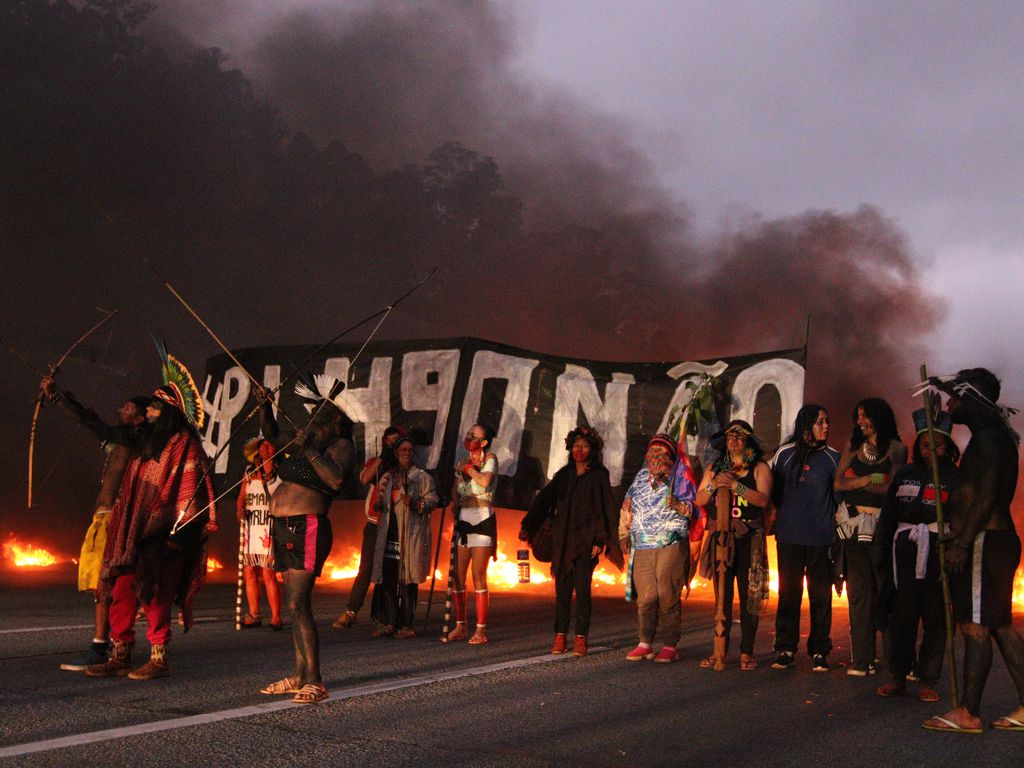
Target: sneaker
[(558, 647), (861, 670), (90, 658), (784, 661), (640, 654), (819, 663), (579, 646), (667, 655)]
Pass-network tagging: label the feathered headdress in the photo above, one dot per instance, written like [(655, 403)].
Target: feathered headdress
[(314, 389), (179, 387)]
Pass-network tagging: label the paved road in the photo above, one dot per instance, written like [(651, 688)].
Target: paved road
[(418, 702)]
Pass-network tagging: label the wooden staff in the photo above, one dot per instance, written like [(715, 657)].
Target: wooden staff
[(433, 572), (453, 564), (722, 524), (242, 525), (947, 604)]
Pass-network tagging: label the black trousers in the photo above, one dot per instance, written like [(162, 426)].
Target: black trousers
[(737, 579), (866, 619), (357, 596), (917, 602), (396, 602), (796, 561), (576, 578)]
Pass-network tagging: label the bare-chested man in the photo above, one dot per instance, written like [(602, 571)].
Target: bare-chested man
[(318, 460), (117, 442), (983, 550)]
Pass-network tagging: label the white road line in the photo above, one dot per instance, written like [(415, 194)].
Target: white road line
[(206, 620), (260, 709)]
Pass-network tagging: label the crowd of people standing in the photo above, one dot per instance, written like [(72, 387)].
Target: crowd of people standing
[(863, 518)]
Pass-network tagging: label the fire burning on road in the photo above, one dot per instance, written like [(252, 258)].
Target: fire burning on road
[(25, 555)]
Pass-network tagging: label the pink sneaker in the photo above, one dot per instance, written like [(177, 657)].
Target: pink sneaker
[(666, 655), (639, 654)]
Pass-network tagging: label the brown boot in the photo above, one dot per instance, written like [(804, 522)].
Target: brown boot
[(119, 663), (156, 666)]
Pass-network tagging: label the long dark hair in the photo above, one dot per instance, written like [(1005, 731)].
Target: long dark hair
[(803, 436), (170, 422), (881, 415)]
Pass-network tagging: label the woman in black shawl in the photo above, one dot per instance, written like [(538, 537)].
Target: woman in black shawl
[(577, 505)]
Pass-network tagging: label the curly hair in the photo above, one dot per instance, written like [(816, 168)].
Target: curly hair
[(594, 440)]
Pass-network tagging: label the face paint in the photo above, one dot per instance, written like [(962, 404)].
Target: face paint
[(658, 461)]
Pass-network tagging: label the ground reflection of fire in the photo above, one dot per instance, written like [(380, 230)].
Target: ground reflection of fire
[(24, 555)]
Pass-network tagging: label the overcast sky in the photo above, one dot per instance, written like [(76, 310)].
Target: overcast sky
[(776, 108)]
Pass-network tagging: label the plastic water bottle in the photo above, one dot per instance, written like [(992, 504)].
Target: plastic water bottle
[(523, 556)]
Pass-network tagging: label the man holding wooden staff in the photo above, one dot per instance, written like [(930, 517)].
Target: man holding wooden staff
[(982, 549)]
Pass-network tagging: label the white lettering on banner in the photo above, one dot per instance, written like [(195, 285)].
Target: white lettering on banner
[(369, 405), (418, 395), (786, 376), (517, 371), (577, 388), (221, 414), (222, 411)]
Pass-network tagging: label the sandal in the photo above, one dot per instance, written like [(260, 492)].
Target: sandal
[(459, 633), (927, 693), (346, 620), (888, 690), (383, 631), (252, 621), (287, 685), (405, 632), (708, 663), (747, 662), (311, 693)]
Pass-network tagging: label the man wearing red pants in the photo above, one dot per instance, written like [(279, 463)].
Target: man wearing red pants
[(156, 551)]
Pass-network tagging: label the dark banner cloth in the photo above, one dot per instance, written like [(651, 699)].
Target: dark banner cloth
[(439, 388)]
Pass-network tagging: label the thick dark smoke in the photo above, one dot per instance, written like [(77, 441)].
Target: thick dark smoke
[(374, 142), (393, 82)]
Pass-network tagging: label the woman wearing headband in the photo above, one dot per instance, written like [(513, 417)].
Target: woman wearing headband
[(740, 468), (654, 527)]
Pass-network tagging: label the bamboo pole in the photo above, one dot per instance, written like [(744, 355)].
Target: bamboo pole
[(954, 692)]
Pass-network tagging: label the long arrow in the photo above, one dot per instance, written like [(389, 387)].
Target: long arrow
[(382, 313)]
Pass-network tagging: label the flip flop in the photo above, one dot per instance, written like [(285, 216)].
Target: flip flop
[(942, 724), (1013, 724), (708, 663)]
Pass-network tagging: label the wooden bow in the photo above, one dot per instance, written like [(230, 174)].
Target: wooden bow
[(53, 370)]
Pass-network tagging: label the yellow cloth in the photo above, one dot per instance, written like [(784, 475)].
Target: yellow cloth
[(91, 559)]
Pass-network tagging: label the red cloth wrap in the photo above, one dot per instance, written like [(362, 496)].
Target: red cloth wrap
[(152, 493)]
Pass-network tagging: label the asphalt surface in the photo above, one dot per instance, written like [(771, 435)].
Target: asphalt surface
[(419, 702)]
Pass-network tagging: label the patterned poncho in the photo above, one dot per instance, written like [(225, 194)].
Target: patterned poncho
[(152, 493)]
